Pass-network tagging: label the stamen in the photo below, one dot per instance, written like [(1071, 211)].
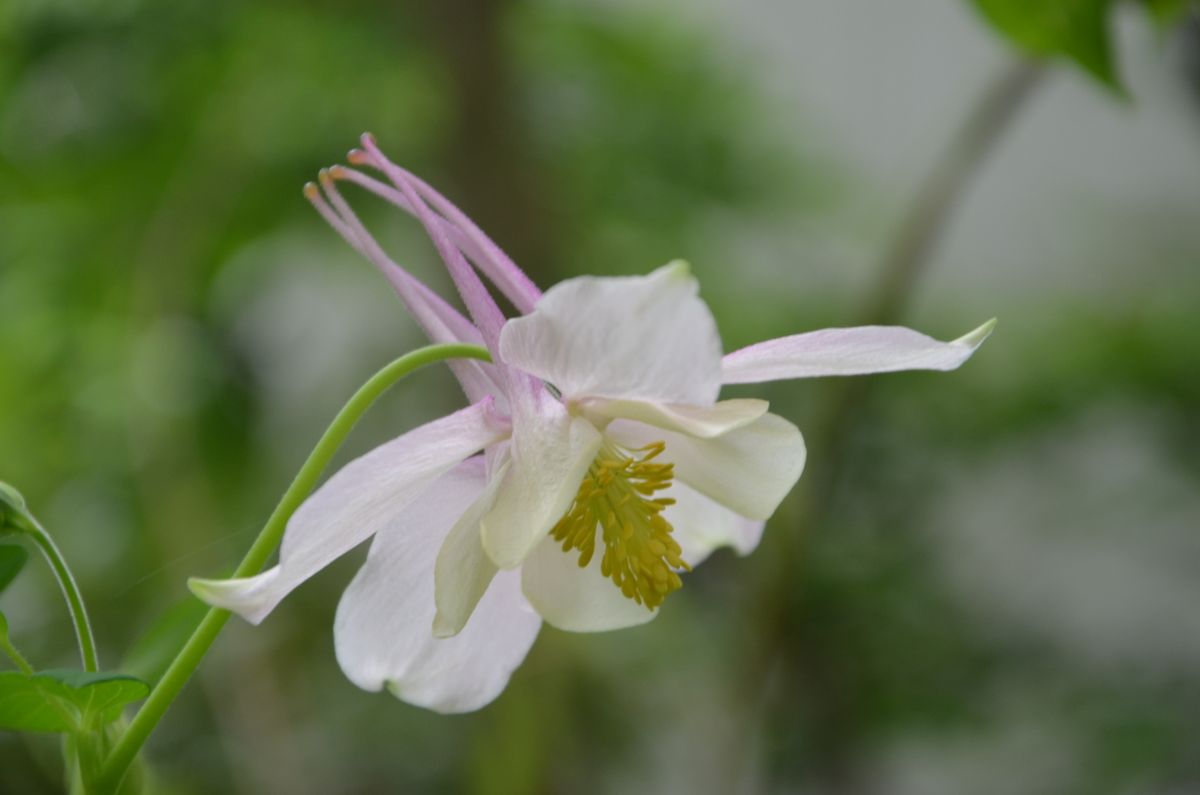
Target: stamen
[(617, 496)]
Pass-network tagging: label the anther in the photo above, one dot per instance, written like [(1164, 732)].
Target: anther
[(613, 503)]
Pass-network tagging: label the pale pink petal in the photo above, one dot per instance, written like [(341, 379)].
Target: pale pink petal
[(849, 351), (575, 599), (748, 470), (550, 452), (702, 421), (464, 571), (646, 338), (354, 504), (383, 634)]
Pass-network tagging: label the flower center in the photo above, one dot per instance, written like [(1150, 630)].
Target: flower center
[(617, 495)]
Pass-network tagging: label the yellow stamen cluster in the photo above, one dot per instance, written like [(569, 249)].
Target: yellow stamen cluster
[(617, 495)]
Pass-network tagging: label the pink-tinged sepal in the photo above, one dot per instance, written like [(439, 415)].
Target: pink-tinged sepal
[(849, 351), (357, 502)]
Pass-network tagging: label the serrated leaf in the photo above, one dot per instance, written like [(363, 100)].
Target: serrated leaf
[(12, 558), (65, 701)]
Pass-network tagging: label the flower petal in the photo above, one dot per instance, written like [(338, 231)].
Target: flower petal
[(463, 570), (550, 453), (748, 470), (703, 525), (849, 351), (641, 337), (382, 631), (575, 599), (354, 504), (703, 421)]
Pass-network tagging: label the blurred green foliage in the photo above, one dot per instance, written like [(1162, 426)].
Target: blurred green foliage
[(1080, 30), (12, 560)]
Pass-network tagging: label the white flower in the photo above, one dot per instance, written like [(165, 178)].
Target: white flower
[(608, 466)]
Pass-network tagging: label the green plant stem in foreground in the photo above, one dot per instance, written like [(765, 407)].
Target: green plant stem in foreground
[(11, 652), (75, 606), (193, 651)]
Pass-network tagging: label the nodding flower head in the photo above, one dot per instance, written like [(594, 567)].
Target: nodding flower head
[(592, 468)]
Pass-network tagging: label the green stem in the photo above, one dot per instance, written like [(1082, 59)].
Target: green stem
[(783, 639), (75, 606), (193, 651), (11, 652)]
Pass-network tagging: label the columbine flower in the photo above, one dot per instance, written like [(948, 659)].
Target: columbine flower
[(608, 469)]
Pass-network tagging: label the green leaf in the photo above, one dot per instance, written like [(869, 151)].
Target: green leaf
[(12, 558), (11, 498), (65, 701), (12, 510), (1166, 12), (1076, 29)]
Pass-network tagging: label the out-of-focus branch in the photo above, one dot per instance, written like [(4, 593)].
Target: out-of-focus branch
[(934, 205), (783, 645), (485, 152), (908, 255)]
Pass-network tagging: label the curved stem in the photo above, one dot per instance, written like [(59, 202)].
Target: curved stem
[(782, 640), (75, 606), (11, 652), (193, 651), (998, 105), (907, 256)]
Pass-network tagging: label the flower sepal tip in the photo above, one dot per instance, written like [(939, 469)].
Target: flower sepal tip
[(974, 339)]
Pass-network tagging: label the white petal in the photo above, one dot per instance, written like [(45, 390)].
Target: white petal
[(703, 421), (463, 570), (703, 525), (549, 455), (748, 470), (638, 337), (849, 351), (382, 632), (575, 599), (356, 503)]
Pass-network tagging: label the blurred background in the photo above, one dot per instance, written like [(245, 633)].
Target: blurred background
[(987, 581)]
